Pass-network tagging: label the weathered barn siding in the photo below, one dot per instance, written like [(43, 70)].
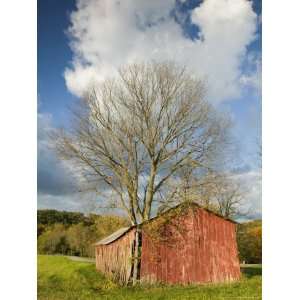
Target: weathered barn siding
[(114, 259), (200, 248)]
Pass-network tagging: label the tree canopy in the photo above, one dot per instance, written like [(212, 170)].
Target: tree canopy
[(134, 133)]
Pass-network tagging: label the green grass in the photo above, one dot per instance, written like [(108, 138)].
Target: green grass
[(60, 278)]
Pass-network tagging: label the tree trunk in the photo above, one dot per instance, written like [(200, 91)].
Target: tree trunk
[(136, 258), (149, 193)]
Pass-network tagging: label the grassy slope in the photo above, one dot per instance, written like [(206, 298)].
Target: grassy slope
[(60, 279)]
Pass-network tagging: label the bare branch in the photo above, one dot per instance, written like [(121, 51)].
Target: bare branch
[(137, 132)]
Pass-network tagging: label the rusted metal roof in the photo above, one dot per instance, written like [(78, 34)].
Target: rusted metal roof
[(114, 236)]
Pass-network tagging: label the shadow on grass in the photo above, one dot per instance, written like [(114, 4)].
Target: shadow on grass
[(250, 271)]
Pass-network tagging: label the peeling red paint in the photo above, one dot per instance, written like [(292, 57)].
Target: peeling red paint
[(207, 252)]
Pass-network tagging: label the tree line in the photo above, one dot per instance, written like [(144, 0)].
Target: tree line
[(73, 233)]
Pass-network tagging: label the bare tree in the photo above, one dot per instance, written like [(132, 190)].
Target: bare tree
[(219, 192), (223, 193), (229, 197), (135, 133), (189, 186)]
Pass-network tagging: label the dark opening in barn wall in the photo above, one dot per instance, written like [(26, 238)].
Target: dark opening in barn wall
[(194, 246)]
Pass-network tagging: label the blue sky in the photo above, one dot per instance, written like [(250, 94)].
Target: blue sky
[(54, 54), (88, 39)]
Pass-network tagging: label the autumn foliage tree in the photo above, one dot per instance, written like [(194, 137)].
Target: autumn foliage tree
[(249, 238), (53, 240)]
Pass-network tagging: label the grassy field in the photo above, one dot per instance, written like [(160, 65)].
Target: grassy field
[(60, 278)]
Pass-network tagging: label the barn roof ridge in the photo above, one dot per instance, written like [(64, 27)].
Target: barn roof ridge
[(120, 232)]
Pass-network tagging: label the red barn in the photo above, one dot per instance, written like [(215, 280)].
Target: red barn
[(186, 244)]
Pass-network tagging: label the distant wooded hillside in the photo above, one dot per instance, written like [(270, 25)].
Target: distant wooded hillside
[(73, 233), (52, 216)]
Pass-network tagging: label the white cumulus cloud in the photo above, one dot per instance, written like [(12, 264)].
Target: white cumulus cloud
[(106, 34)]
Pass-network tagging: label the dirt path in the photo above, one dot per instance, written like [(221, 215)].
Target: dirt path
[(83, 259)]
